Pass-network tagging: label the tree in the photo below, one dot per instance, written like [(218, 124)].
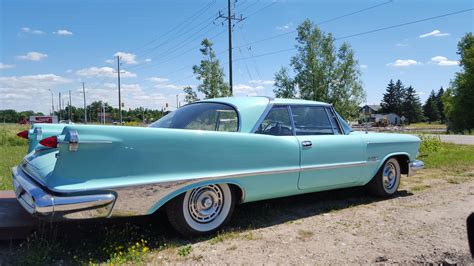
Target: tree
[(411, 106), (325, 72), (440, 105), (461, 115), (392, 101), (430, 108), (210, 73), (191, 95), (284, 85)]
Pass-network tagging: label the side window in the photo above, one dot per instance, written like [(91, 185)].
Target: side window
[(277, 123), (311, 120), (333, 118)]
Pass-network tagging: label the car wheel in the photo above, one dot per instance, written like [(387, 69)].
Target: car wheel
[(385, 183), (201, 210)]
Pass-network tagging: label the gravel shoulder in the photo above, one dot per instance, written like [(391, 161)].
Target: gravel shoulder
[(426, 227)]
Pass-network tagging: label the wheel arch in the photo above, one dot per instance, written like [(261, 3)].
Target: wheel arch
[(234, 185), (402, 158)]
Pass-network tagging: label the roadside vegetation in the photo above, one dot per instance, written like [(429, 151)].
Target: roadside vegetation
[(12, 150)]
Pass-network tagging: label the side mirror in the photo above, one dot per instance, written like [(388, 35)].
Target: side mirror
[(470, 232)]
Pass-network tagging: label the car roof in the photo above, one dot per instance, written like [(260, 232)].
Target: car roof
[(251, 108)]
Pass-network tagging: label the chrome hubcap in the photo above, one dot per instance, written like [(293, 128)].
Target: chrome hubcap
[(389, 176), (205, 203)]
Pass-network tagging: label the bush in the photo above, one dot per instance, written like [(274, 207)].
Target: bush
[(429, 144)]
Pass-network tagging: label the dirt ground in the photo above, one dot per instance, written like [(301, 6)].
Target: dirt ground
[(422, 225), (426, 227)]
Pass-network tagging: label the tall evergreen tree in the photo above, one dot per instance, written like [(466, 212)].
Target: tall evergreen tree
[(392, 101), (325, 72), (440, 105), (284, 85), (430, 108), (412, 109)]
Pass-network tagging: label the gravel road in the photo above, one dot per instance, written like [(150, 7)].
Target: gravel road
[(428, 227)]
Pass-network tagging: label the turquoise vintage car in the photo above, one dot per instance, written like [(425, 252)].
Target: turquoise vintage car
[(201, 160)]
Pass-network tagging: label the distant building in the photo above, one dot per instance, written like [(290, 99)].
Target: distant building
[(370, 109), (371, 114), (391, 119)]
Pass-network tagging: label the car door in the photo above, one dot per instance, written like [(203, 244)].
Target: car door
[(328, 158)]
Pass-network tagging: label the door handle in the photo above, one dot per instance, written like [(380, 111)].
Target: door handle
[(306, 143)]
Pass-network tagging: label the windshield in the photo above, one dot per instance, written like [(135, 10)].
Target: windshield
[(345, 126), (201, 116)]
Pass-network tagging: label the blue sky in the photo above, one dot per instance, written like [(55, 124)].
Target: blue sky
[(57, 45)]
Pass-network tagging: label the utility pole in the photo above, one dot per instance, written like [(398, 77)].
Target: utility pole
[(85, 108), (229, 19), (118, 82), (52, 101), (59, 100), (70, 103)]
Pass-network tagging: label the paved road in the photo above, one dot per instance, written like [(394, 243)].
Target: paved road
[(458, 139)]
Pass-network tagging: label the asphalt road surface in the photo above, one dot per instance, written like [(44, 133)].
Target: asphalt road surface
[(458, 139)]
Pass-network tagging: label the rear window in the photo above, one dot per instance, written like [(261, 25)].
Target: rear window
[(201, 116)]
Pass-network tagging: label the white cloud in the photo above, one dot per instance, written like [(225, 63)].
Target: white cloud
[(443, 61), (103, 72), (33, 56), (363, 66), (248, 90), (262, 82), (285, 27), (63, 32), (5, 66), (31, 31), (147, 60), (400, 44), (404, 63), (158, 79), (435, 33), (29, 92), (127, 58), (109, 61)]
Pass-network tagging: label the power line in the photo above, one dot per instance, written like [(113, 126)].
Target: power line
[(363, 33), (320, 23), (195, 15), (405, 24)]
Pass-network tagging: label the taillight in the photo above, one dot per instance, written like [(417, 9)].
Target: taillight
[(50, 142), (23, 134)]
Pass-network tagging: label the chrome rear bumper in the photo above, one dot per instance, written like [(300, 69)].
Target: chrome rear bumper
[(39, 202), (415, 166)]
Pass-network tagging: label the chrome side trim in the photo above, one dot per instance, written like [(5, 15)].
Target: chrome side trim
[(141, 199), (128, 200), (334, 166)]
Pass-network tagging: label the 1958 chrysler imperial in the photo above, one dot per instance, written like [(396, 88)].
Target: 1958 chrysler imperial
[(202, 159)]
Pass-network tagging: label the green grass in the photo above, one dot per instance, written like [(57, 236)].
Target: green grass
[(12, 150), (450, 157), (435, 125)]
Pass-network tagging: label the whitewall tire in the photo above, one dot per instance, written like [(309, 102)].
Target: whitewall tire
[(201, 210)]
